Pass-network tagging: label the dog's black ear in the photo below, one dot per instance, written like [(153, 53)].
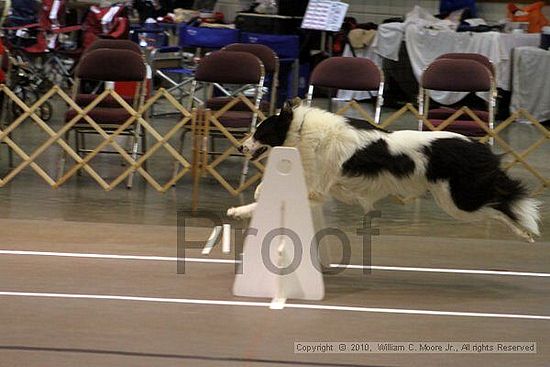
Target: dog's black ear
[(290, 104), (295, 102), (286, 112), (287, 107)]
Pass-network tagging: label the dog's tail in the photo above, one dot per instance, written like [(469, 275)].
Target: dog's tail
[(527, 212), (513, 200)]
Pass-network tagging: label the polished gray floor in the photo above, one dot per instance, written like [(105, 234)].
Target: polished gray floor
[(80, 217)]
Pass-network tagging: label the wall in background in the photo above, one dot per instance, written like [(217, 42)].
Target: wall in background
[(378, 10)]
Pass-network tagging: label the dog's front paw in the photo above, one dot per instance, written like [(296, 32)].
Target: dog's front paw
[(233, 212), (241, 212), (230, 212), (316, 196)]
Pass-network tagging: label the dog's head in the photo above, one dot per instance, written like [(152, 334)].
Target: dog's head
[(271, 132)]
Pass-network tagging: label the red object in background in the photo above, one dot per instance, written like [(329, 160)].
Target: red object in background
[(52, 14), (530, 13), (110, 22), (340, 38), (128, 89), (216, 17), (51, 20)]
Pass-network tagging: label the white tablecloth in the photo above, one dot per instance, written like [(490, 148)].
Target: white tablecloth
[(388, 40), (530, 82), (425, 45)]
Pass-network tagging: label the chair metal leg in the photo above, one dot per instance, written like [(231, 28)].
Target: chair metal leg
[(3, 116), (199, 156), (197, 172), (63, 159), (309, 97), (492, 107), (135, 147), (143, 144), (244, 172), (421, 108), (77, 137), (258, 98), (379, 102)]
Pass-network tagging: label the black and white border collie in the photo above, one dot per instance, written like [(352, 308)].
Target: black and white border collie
[(358, 163)]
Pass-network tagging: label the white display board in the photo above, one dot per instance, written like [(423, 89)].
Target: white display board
[(325, 15), (283, 206)]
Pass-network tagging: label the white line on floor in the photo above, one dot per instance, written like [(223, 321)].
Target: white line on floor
[(442, 270), (267, 305), (115, 257), (232, 261), (277, 303)]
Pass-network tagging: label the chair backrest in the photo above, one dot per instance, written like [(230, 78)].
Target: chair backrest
[(205, 37), (471, 56), (353, 73), (457, 75), (267, 56), (230, 67), (285, 46), (111, 65), (269, 59), (114, 44)]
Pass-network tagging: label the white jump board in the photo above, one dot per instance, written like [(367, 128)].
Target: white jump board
[(282, 206), (325, 15)]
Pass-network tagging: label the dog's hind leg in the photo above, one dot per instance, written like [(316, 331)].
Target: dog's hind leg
[(442, 195), (444, 200), (503, 218)]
